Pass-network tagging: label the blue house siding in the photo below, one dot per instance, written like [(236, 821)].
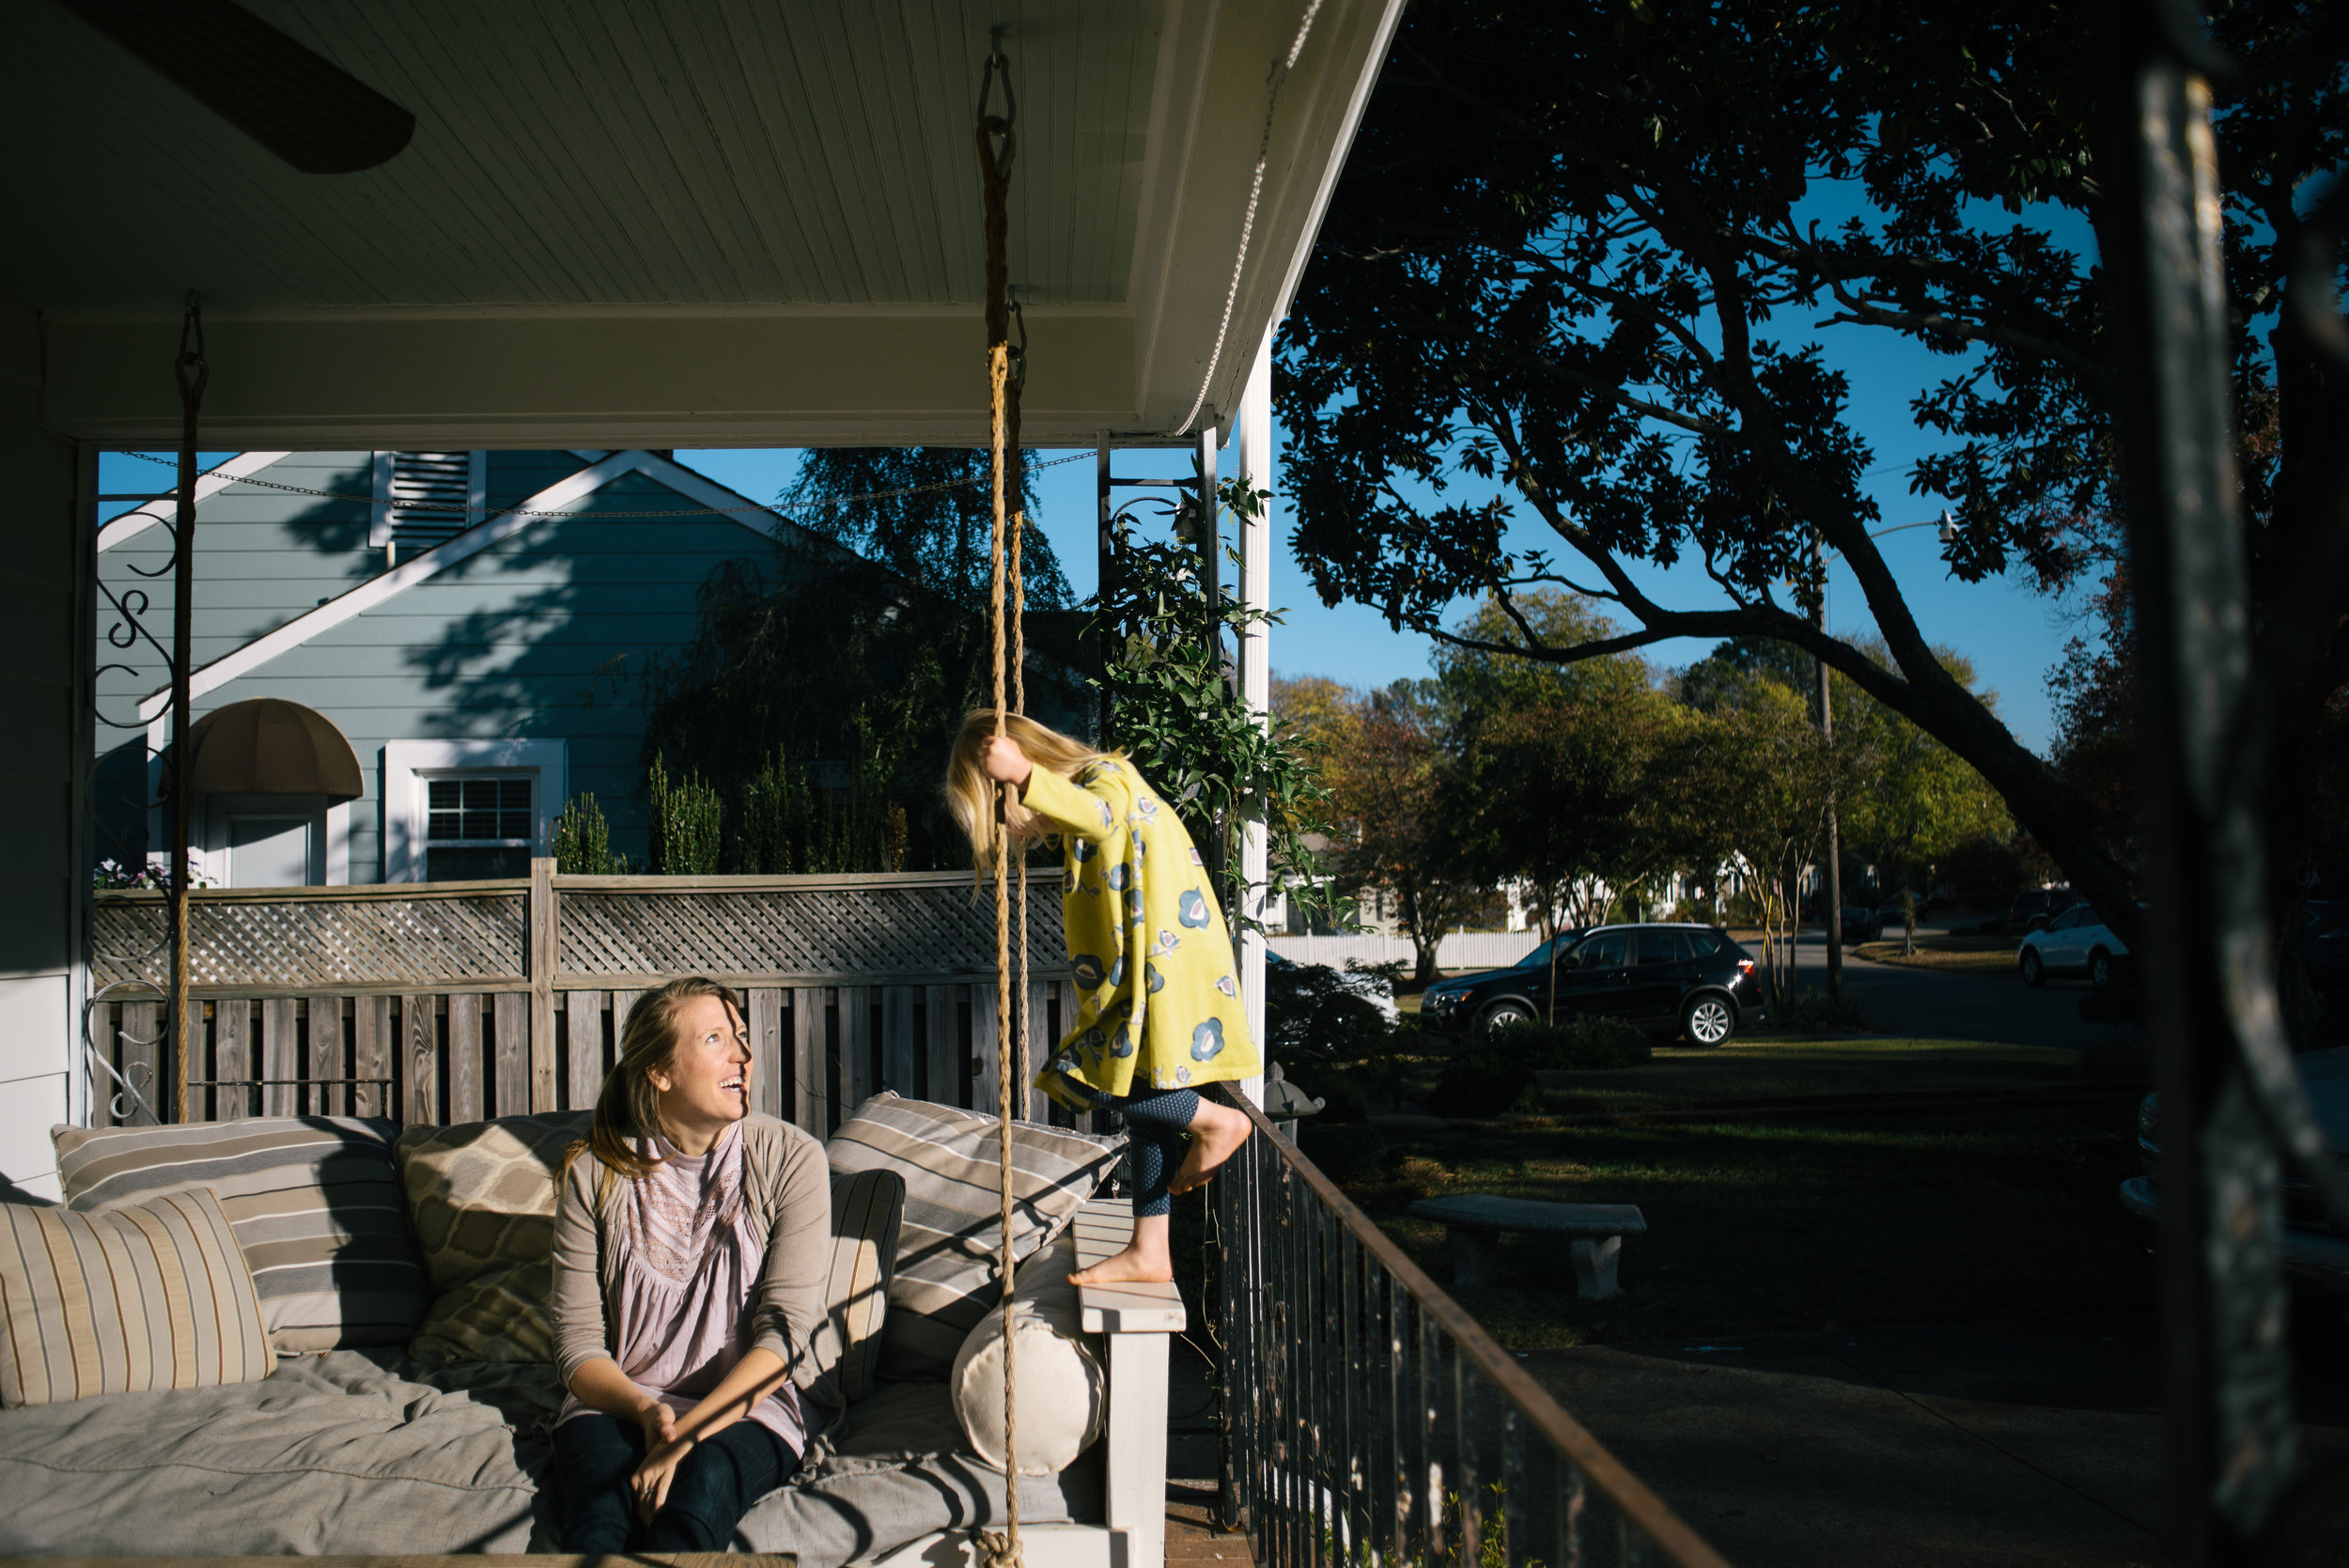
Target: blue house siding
[(544, 635)]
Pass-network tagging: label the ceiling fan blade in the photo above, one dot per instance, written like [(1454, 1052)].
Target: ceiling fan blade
[(305, 108)]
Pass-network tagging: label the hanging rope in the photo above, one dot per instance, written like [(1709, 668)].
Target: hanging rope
[(1001, 1550), (191, 371)]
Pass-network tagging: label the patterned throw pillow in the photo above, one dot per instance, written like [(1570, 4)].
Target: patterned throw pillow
[(149, 1296), (944, 1282), (315, 1203), (867, 1210), (481, 1198)]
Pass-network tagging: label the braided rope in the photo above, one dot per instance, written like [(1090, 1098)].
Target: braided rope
[(1001, 1552)]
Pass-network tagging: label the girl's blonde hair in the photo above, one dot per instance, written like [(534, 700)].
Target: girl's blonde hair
[(971, 794), (628, 1107)]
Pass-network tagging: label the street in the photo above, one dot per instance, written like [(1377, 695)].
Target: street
[(1958, 1006)]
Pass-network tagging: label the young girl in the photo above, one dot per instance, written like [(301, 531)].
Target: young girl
[(689, 1251), (1159, 1012)]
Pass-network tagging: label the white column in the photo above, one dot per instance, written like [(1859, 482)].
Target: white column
[(1253, 434)]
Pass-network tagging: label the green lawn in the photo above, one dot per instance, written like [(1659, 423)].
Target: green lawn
[(1810, 1222), (1780, 1067)]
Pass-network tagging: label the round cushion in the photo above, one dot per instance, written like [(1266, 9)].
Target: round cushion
[(1064, 1388)]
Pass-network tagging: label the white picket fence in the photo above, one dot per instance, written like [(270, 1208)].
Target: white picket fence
[(1462, 950)]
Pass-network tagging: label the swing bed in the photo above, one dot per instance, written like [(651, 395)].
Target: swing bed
[(1133, 1323)]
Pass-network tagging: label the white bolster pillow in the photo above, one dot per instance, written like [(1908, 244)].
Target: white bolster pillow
[(1064, 1388)]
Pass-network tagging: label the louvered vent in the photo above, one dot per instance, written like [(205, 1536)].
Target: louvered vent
[(424, 499)]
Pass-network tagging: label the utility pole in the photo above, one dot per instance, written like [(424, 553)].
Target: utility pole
[(1834, 889)]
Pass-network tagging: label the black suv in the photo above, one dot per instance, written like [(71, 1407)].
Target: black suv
[(1691, 979)]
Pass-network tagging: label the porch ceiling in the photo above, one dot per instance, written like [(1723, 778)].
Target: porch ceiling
[(711, 222)]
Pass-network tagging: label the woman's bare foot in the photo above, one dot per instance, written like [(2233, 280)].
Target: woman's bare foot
[(1145, 1260), (1216, 1135)]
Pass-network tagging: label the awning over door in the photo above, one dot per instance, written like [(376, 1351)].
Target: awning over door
[(268, 746)]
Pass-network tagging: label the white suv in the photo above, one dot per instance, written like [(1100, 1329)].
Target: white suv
[(2077, 942)]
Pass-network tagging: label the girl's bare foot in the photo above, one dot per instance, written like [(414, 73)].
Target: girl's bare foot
[(1216, 1135), (1133, 1265), (1147, 1259)]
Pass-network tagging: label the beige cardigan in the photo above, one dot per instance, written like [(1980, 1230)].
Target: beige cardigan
[(788, 1185)]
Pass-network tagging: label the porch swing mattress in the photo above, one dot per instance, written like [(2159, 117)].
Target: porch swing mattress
[(368, 1450)]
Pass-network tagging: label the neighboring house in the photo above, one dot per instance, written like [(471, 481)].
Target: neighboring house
[(483, 662)]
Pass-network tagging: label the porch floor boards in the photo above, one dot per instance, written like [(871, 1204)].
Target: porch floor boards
[(1192, 1540)]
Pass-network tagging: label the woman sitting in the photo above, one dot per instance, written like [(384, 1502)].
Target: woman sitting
[(690, 1253)]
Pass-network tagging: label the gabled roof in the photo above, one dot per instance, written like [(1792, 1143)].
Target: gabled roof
[(562, 496)]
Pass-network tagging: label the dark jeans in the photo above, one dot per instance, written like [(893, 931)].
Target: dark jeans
[(715, 1486)]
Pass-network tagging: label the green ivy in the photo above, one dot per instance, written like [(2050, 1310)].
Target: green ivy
[(1177, 711)]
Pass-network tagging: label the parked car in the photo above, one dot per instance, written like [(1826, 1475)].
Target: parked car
[(2077, 941), (1861, 925), (2315, 1255), (1281, 976), (1691, 980), (2035, 906)]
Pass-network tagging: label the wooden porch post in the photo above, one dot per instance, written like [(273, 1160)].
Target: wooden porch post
[(544, 946), (1253, 433)]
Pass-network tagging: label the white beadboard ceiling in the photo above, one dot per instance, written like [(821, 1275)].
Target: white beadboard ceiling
[(622, 223)]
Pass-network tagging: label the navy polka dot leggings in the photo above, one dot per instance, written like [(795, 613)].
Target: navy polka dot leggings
[(1156, 1119)]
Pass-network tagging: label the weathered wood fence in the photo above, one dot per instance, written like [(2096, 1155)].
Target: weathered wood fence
[(452, 1001)]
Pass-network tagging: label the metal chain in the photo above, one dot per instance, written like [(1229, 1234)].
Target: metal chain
[(674, 512)]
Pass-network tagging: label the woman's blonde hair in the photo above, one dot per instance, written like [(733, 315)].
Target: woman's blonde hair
[(971, 794), (628, 1107)]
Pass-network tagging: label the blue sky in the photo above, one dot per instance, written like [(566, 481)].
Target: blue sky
[(2011, 634)]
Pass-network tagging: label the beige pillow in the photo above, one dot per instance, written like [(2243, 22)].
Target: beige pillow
[(481, 1202), (314, 1199), (1064, 1388), (153, 1294), (866, 1209), (945, 1274)]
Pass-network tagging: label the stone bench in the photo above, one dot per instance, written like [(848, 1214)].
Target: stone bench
[(1474, 1223)]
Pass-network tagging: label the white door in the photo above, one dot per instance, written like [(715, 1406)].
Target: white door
[(270, 851)]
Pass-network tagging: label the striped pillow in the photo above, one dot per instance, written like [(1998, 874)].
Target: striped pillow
[(149, 1296), (866, 1209), (314, 1202), (944, 1279)]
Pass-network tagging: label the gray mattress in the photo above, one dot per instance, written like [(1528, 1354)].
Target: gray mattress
[(368, 1452)]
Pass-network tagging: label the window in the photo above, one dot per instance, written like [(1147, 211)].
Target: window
[(2068, 919), (1702, 945), (470, 810), (477, 827), (1604, 951), (1660, 947)]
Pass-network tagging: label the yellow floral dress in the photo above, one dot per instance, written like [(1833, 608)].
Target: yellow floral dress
[(1158, 994)]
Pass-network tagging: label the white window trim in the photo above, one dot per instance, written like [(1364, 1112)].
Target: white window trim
[(409, 765)]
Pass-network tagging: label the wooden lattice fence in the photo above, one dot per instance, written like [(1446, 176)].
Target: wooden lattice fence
[(449, 1002)]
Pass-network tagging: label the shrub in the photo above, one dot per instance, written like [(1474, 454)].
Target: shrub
[(1576, 1043), (1483, 1080), (1812, 1010), (685, 822), (1324, 1033), (2115, 1003), (583, 841), (1349, 1154)]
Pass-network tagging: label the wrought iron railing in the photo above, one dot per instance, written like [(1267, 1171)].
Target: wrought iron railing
[(1369, 1420)]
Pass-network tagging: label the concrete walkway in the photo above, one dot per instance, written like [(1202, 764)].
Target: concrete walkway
[(2010, 1445)]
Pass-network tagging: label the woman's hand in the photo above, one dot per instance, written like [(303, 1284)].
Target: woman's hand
[(650, 1483), (1006, 763), (659, 1423)]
